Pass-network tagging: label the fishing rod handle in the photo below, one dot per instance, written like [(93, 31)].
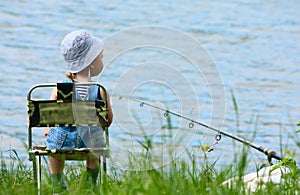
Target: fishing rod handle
[(270, 153)]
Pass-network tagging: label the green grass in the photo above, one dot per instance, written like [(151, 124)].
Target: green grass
[(182, 176), (15, 178), (179, 177)]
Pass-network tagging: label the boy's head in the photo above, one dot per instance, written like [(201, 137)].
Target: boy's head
[(80, 49)]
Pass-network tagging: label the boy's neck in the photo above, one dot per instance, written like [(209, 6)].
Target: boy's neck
[(82, 76)]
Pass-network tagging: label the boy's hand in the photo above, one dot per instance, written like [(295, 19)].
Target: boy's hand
[(46, 131)]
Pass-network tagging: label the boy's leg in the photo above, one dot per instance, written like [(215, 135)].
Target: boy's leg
[(92, 167), (56, 165), (56, 174)]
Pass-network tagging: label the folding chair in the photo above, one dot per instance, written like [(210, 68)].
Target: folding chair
[(66, 111)]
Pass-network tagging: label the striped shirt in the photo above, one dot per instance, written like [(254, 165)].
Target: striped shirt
[(82, 90)]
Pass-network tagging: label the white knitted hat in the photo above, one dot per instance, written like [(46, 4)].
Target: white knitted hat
[(80, 49)]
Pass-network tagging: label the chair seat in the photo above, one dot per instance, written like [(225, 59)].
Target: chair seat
[(70, 154)]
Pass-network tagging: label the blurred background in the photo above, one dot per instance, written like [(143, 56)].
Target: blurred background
[(254, 44)]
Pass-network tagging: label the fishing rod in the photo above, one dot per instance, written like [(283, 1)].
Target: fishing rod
[(270, 153)]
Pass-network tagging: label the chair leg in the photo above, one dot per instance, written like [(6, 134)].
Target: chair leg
[(35, 173), (100, 170), (39, 179), (104, 164), (104, 168)]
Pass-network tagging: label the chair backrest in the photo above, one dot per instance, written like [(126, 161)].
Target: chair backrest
[(66, 110)]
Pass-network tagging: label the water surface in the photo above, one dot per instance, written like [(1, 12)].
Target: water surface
[(254, 44)]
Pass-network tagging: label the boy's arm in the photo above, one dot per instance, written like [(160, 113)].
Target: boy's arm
[(110, 112), (53, 96)]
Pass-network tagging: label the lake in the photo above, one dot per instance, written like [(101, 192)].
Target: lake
[(189, 57)]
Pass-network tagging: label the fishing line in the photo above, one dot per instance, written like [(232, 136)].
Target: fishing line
[(270, 153)]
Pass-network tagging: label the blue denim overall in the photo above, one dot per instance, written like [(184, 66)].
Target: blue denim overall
[(80, 136)]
